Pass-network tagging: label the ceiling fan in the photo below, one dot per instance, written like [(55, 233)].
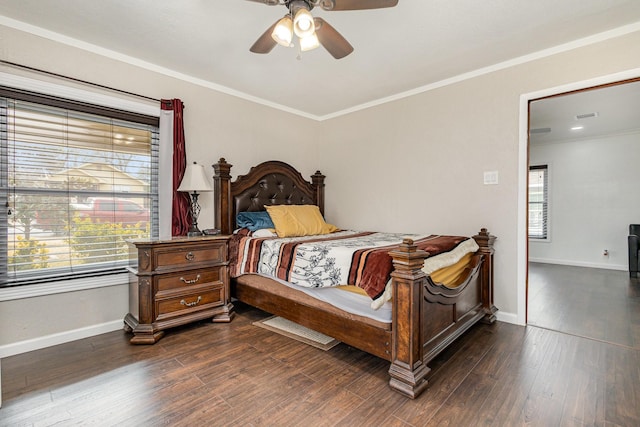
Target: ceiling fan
[(311, 31)]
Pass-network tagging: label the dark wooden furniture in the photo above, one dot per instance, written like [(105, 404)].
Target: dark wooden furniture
[(427, 316), (177, 281), (634, 249)]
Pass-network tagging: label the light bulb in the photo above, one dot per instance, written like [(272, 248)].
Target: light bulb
[(309, 42), (303, 24), (283, 31)]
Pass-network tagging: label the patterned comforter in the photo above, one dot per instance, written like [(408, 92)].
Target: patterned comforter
[(343, 257)]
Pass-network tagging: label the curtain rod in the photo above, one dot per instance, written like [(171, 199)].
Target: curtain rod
[(73, 79)]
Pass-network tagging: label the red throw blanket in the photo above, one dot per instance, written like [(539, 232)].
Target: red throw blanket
[(320, 261)]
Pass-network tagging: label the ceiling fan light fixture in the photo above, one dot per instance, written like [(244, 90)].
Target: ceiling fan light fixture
[(283, 31), (309, 42), (303, 24), (311, 32)]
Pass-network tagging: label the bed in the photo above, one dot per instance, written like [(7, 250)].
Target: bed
[(425, 315)]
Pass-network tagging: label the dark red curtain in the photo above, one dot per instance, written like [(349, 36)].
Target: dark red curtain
[(181, 213)]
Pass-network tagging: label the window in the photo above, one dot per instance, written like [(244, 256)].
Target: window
[(77, 181), (538, 202)]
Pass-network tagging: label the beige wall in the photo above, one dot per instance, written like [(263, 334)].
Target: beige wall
[(216, 125), (421, 159), (414, 164)]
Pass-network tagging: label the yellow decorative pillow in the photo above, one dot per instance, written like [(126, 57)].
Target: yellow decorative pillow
[(298, 220)]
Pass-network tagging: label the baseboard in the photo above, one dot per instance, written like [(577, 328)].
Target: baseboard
[(580, 264), (58, 338), (508, 318)]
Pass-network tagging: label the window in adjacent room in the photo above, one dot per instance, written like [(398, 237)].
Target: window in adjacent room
[(539, 202), (76, 180)]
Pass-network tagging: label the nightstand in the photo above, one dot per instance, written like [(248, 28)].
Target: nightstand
[(174, 282)]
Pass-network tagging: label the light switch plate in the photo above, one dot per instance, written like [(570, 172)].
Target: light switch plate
[(491, 177)]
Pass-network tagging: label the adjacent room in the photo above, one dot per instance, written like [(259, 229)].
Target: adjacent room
[(583, 147), (194, 189)]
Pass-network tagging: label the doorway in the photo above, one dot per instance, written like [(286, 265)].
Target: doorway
[(582, 169)]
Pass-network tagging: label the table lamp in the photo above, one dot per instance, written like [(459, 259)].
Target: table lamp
[(194, 181)]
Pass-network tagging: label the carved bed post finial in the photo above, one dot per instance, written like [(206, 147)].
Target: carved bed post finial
[(222, 196), (408, 370), (317, 179), (485, 240)]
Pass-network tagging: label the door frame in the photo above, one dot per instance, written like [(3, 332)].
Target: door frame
[(522, 258)]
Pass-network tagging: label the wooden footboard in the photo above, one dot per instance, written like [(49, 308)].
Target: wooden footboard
[(368, 335), (428, 316)]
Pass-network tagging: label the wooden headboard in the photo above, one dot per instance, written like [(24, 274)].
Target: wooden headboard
[(269, 183)]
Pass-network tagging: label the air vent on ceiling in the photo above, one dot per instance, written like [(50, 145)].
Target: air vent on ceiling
[(540, 130), (586, 116)]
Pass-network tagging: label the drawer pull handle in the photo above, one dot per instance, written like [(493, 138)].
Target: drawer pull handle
[(190, 256), (192, 281), (191, 304)]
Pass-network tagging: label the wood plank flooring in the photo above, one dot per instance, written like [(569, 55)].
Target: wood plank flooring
[(238, 374), (588, 302)]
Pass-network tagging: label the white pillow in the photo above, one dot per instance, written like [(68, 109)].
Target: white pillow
[(264, 232)]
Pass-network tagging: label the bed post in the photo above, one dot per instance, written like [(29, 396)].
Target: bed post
[(485, 240), (317, 179), (222, 196), (407, 369)]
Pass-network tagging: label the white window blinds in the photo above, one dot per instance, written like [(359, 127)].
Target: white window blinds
[(538, 202), (77, 181)]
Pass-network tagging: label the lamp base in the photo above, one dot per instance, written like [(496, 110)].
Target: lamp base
[(194, 231)]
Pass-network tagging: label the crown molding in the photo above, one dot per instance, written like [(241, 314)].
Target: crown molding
[(585, 41)]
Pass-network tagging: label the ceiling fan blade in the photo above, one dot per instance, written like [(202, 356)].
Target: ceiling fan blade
[(267, 2), (332, 40), (356, 4), (265, 42)]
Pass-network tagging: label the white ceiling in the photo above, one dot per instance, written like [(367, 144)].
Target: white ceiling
[(397, 50), (616, 108)]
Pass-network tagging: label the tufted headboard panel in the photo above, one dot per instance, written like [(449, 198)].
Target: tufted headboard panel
[(272, 189), (269, 183)]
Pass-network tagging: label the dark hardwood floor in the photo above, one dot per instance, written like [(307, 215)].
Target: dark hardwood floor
[(589, 302), (238, 374)]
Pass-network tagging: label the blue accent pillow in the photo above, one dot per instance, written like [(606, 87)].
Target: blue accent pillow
[(254, 220)]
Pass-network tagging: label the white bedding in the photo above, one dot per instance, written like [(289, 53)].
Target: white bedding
[(379, 309)]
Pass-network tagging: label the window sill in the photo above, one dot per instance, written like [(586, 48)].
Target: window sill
[(43, 289), (547, 240)]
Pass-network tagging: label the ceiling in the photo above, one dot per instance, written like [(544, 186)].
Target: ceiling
[(586, 114), (398, 50)]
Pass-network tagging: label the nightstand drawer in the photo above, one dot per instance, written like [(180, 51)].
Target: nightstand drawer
[(180, 258), (207, 297), (184, 279)]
